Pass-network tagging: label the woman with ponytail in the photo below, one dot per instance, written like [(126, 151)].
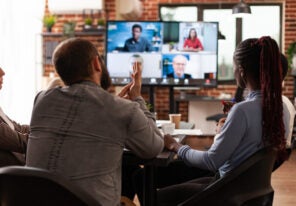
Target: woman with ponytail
[(250, 125)]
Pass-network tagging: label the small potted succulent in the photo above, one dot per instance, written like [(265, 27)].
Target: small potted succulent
[(49, 21), (88, 23), (101, 23), (69, 29)]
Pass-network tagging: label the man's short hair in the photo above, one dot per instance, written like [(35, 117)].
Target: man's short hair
[(73, 60), (137, 26)]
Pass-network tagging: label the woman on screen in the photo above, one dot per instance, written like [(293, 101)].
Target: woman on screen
[(192, 43)]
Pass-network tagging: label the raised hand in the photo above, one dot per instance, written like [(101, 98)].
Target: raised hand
[(124, 93), (133, 89)]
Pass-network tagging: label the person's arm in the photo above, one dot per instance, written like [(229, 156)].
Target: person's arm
[(144, 138), (22, 128), (125, 47), (223, 147), (200, 47), (288, 118), (185, 45), (13, 140)]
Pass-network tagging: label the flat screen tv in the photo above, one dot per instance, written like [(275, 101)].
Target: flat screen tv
[(167, 55)]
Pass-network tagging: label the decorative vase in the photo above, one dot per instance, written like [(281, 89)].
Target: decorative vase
[(87, 26)]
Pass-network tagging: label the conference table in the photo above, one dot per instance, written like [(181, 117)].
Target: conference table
[(161, 160)]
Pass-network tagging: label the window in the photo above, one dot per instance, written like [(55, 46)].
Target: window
[(226, 46), (234, 29), (257, 25), (178, 13)]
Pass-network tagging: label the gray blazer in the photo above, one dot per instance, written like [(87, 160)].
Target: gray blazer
[(14, 141), (80, 132)]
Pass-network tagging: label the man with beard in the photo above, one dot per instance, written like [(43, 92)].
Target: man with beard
[(80, 130), (137, 43)]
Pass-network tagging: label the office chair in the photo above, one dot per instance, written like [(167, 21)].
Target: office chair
[(249, 184), (279, 163), (32, 186), (8, 159)]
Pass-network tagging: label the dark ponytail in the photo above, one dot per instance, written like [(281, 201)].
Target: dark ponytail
[(260, 59), (271, 86)]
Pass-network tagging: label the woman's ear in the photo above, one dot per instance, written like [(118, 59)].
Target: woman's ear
[(241, 72)]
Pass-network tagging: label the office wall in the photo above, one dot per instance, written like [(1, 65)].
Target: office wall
[(150, 12)]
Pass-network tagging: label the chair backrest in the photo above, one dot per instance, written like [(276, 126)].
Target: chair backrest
[(8, 159), (247, 184), (279, 163), (31, 186)]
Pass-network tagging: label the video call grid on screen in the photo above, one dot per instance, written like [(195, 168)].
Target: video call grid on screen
[(161, 50)]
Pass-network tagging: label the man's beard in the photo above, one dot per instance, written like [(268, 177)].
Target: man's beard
[(105, 79)]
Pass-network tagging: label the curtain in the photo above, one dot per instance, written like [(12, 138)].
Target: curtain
[(20, 56)]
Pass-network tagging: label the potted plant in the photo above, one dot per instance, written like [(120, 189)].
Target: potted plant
[(101, 23), (69, 28), (49, 21), (88, 23), (171, 46), (291, 52)]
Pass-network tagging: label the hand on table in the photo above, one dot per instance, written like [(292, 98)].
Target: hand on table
[(170, 143)]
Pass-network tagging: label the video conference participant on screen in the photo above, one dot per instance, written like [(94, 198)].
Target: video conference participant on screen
[(179, 66), (137, 43), (192, 43)]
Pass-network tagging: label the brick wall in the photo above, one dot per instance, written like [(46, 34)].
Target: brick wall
[(150, 12)]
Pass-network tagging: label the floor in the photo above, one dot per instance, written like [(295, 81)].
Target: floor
[(283, 182)]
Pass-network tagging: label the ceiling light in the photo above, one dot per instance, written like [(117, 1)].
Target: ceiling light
[(221, 36), (241, 8)]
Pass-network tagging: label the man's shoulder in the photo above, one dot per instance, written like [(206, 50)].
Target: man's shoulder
[(248, 105), (129, 40)]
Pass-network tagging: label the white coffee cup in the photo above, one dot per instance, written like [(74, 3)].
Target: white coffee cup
[(168, 128)]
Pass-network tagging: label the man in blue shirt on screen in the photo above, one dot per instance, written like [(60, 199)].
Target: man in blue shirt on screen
[(137, 43)]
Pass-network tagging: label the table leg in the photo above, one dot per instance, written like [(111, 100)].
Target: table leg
[(149, 189)]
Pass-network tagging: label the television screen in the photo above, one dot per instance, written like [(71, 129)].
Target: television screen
[(171, 53)]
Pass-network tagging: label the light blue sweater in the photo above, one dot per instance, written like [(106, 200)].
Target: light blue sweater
[(240, 137)]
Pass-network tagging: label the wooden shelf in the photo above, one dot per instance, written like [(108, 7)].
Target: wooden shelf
[(98, 32)]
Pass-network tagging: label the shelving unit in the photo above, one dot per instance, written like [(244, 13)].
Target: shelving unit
[(50, 40)]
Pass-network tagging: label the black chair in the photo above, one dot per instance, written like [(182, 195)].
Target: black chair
[(279, 163), (249, 184), (8, 159), (31, 186)]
